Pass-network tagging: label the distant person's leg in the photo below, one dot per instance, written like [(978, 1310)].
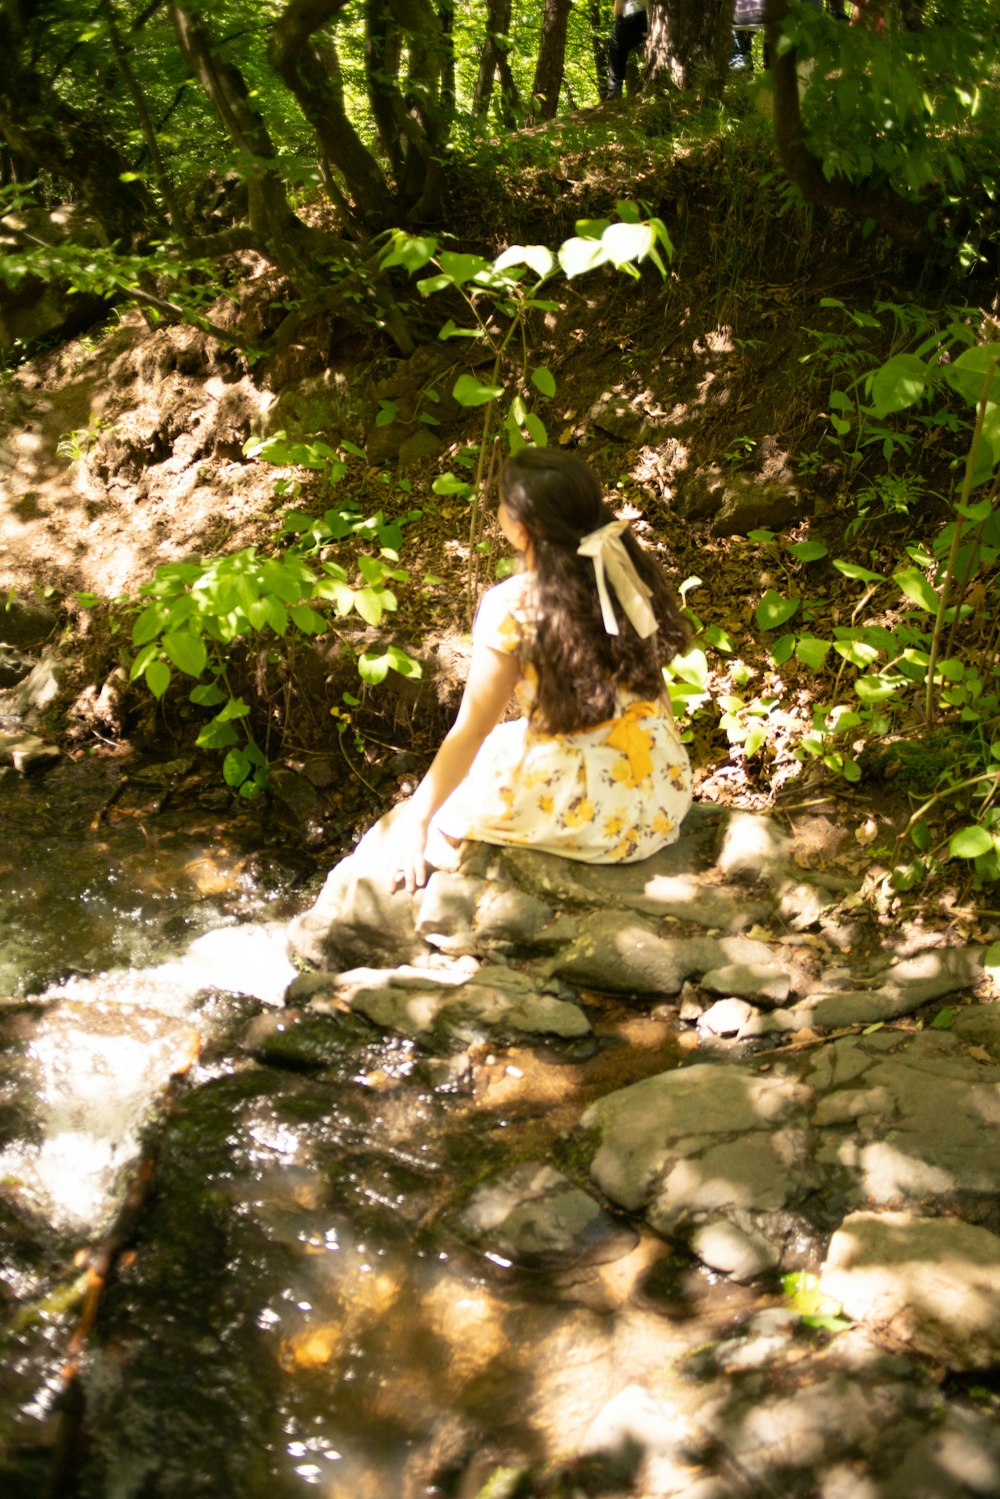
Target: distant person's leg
[(628, 32)]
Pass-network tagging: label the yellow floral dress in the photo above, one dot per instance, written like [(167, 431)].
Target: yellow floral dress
[(610, 794)]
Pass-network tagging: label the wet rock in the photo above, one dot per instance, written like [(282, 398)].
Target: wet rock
[(643, 1441), (297, 793), (957, 1456), (725, 1017), (926, 1285), (762, 981), (753, 848), (447, 911), (25, 625), (14, 666), (301, 1041), (624, 955), (738, 1251), (899, 989), (40, 688), (27, 753), (356, 918), (469, 1012), (703, 1140), (534, 1215)]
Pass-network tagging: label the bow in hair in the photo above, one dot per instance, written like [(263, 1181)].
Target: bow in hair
[(612, 564)]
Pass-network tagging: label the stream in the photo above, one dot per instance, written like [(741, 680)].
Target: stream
[(233, 1261)]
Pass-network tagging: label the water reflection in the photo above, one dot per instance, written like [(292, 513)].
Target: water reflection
[(297, 1308)]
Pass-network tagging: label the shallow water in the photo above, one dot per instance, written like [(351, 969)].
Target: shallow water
[(295, 1306)]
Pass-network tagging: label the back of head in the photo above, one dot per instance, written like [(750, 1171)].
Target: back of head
[(558, 500), (555, 495)]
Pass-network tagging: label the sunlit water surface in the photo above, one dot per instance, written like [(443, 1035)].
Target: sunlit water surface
[(296, 1308)]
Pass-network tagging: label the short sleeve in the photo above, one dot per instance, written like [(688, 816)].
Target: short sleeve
[(500, 619)]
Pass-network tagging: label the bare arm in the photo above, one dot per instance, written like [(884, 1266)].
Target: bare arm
[(490, 682)]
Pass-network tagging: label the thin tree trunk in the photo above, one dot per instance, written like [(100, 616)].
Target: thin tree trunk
[(175, 213), (497, 25), (270, 216), (551, 58)]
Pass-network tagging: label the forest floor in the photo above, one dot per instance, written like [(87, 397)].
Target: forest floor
[(701, 399)]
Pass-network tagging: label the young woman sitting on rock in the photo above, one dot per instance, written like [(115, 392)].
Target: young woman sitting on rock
[(593, 769)]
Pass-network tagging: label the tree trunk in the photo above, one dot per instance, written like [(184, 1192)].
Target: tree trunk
[(599, 44), (163, 181), (279, 231), (497, 27), (689, 43), (312, 74), (551, 58), (905, 221), (42, 131)]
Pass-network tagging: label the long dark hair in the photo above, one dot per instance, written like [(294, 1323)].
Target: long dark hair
[(557, 498)]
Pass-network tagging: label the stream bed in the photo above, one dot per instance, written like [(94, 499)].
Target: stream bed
[(233, 1258), (258, 1251)]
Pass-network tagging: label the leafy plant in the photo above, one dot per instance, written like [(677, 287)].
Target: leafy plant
[(498, 297), (75, 445), (816, 1309), (197, 612)]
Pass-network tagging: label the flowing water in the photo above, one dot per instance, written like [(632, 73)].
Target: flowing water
[(232, 1257)]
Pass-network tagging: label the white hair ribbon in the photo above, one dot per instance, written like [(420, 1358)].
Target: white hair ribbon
[(612, 564)]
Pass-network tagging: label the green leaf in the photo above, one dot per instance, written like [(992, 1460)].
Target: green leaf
[(577, 256), (277, 615), (755, 739), (969, 373), (369, 605), (308, 620), (373, 668), (207, 695), (540, 259), (782, 649), (720, 639), (235, 708), (467, 391), (692, 668), (157, 677), (147, 626), (944, 1020), (899, 383), (774, 610), (187, 651), (625, 243), (860, 574), (450, 329), (970, 842), (544, 381), (875, 689), (235, 768), (808, 551), (920, 836), (536, 429), (451, 484), (459, 268), (917, 589), (217, 735), (411, 251), (812, 651)]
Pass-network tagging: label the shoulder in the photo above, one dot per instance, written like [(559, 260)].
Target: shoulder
[(502, 616)]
